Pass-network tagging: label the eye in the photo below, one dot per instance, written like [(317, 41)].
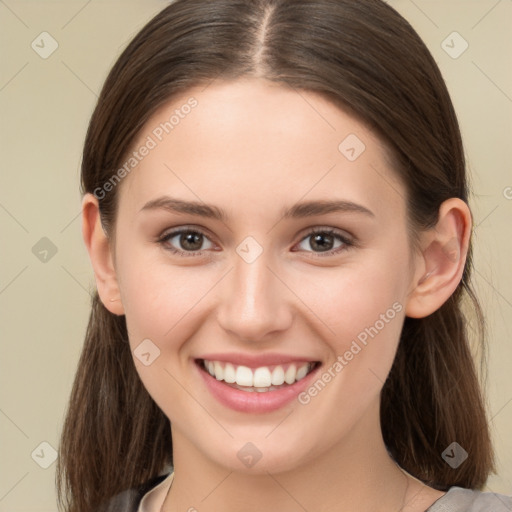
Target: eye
[(190, 240), (324, 241)]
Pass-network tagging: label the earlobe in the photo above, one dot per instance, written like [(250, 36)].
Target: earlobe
[(442, 259), (100, 254)]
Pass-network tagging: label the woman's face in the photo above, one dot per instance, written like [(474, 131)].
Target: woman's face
[(294, 257)]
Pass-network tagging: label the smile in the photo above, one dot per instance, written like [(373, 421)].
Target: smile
[(261, 379), (253, 387)]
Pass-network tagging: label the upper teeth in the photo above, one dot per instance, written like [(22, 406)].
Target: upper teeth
[(261, 377)]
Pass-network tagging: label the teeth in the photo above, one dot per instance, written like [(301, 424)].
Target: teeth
[(290, 374), (278, 376), (260, 379), (229, 373), (302, 372), (219, 371), (244, 376)]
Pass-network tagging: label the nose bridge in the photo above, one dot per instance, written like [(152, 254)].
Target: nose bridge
[(252, 302)]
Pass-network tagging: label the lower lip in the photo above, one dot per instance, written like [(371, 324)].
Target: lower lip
[(254, 402)]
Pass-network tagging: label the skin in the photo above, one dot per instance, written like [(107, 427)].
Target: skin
[(252, 148)]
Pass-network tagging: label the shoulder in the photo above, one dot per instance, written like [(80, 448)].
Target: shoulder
[(458, 499), (129, 500)]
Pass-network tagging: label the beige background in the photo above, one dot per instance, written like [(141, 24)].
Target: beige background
[(45, 105)]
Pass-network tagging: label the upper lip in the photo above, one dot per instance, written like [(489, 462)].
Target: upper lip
[(256, 361)]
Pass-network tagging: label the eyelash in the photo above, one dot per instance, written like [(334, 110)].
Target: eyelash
[(347, 243)]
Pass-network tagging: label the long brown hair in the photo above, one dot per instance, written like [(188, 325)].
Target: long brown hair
[(363, 56)]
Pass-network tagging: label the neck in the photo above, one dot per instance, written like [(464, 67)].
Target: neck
[(356, 474)]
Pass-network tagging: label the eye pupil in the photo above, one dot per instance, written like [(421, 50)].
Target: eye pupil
[(318, 242), (187, 241)]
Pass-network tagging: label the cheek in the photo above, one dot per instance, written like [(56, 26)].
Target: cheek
[(159, 299), (161, 304), (350, 299), (166, 304), (363, 309)]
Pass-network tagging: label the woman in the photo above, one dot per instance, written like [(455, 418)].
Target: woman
[(275, 208)]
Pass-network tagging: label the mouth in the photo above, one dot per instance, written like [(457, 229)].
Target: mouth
[(263, 379)]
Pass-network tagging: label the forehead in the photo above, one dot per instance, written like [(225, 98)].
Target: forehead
[(252, 143)]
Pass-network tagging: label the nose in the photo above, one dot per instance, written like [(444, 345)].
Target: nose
[(255, 302)]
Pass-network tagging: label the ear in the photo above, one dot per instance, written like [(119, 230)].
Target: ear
[(100, 254), (441, 263)]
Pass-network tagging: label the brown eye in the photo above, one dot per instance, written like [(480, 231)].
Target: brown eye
[(186, 242), (326, 241)]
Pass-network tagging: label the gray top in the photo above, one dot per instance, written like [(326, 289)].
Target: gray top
[(458, 499)]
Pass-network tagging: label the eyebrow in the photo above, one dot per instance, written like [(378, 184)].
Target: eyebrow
[(297, 211)]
